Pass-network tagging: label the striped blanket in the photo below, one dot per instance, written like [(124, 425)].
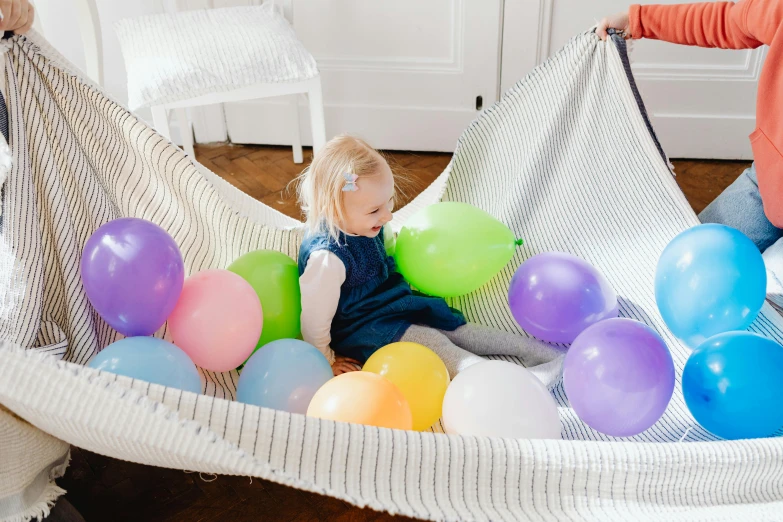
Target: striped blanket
[(567, 159)]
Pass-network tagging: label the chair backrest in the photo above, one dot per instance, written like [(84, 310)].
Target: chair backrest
[(92, 41)]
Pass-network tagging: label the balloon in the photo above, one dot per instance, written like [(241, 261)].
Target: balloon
[(619, 377), (132, 272), (554, 296), (733, 385), (451, 249), (217, 320), (500, 399), (275, 278), (710, 279), (283, 375), (149, 359), (362, 398), (419, 374)]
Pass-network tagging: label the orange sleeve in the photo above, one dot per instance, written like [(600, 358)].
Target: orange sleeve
[(742, 25), (708, 24)]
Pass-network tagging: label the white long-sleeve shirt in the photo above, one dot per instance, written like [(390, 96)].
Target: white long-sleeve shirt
[(320, 284)]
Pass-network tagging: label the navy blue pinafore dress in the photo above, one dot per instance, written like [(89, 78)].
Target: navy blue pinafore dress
[(376, 304)]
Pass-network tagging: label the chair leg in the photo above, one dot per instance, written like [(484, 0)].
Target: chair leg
[(186, 131), (317, 122), (161, 121), (297, 134)]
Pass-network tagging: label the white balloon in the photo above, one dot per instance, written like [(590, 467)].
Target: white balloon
[(500, 399)]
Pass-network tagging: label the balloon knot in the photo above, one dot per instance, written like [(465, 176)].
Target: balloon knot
[(519, 242)]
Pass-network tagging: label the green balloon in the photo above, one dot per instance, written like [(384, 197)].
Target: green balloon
[(450, 249), (275, 278)]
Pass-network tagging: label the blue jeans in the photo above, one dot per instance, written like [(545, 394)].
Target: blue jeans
[(739, 206)]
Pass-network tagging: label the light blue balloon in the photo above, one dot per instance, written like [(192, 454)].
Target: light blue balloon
[(283, 375), (710, 279), (149, 359), (733, 385)]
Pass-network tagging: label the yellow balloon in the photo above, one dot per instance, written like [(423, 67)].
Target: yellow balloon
[(419, 374)]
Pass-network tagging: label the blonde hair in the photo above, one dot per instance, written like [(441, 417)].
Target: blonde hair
[(320, 185)]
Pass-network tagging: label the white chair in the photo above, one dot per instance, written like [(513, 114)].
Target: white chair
[(178, 60)]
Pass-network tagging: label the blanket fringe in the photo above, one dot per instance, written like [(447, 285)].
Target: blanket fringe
[(42, 507)]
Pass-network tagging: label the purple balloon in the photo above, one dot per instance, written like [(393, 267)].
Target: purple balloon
[(555, 296), (132, 272), (619, 377)]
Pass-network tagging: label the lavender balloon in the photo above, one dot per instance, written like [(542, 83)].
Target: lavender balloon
[(555, 296), (132, 272), (619, 377)]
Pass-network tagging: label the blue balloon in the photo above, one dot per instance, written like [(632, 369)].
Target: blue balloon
[(733, 385), (149, 359), (283, 375), (710, 279)]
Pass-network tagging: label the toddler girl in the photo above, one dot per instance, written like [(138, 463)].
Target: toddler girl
[(353, 299)]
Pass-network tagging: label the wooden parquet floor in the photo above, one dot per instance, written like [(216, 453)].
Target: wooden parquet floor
[(103, 488), (266, 173)]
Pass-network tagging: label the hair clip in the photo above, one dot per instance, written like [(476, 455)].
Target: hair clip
[(350, 182)]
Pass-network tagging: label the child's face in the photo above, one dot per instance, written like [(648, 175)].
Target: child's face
[(370, 207)]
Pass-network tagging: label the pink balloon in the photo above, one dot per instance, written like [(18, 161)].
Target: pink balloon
[(217, 320)]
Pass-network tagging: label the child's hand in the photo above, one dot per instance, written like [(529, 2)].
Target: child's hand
[(619, 21), (344, 365)]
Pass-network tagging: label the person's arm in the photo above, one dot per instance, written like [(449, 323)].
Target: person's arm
[(743, 25), (320, 285), (708, 24)]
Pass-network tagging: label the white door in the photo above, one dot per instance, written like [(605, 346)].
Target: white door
[(407, 74), (702, 102)]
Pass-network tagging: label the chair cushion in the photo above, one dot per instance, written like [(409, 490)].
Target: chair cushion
[(174, 57)]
